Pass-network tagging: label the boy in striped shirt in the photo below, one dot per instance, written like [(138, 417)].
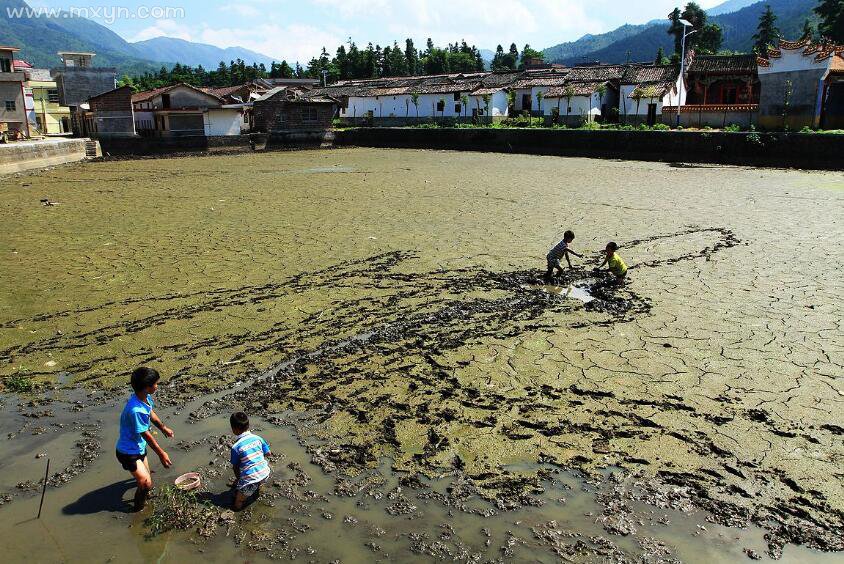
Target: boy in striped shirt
[(561, 250), (248, 459)]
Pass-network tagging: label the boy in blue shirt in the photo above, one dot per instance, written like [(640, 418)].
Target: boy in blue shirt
[(248, 459), (135, 433)]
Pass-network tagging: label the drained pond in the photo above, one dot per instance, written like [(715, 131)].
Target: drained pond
[(381, 316)]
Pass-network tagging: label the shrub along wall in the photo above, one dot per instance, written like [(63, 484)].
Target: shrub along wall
[(797, 150)]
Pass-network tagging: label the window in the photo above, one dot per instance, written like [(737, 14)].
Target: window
[(457, 108), (441, 106), (10, 106), (165, 101), (457, 96), (5, 65), (310, 114), (53, 96)]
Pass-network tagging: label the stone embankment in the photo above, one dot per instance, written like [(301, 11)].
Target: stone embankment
[(782, 150), (29, 155)]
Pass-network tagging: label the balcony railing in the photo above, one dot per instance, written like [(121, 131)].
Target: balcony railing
[(710, 108)]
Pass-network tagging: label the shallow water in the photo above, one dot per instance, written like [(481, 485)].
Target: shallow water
[(89, 515), (395, 303)]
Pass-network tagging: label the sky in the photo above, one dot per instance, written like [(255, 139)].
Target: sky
[(298, 29)]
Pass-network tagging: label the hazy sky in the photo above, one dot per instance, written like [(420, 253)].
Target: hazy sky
[(298, 29)]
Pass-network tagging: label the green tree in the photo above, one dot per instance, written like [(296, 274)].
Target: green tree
[(487, 98), (767, 32), (808, 31), (414, 97), (498, 59), (539, 96), (831, 26), (527, 54), (661, 59), (568, 94), (708, 38), (464, 104), (411, 57), (126, 80)]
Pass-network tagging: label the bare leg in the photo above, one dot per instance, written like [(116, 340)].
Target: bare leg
[(239, 500), (144, 479)]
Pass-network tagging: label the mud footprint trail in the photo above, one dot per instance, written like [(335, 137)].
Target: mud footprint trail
[(716, 369)]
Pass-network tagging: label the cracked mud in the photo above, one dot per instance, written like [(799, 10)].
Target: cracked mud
[(396, 304)]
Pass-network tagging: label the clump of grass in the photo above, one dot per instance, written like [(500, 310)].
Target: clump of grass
[(178, 510), (18, 384)]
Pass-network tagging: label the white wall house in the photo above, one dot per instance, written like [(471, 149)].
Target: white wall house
[(664, 81), (393, 104), (182, 109), (587, 103)]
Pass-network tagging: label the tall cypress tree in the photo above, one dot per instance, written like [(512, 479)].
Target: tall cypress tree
[(767, 33)]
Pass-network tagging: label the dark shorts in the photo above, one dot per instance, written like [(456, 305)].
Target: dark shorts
[(130, 461)]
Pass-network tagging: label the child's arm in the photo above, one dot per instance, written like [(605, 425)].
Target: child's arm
[(575, 253), (155, 420), (606, 260), (163, 456)]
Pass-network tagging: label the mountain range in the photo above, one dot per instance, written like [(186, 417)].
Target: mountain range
[(41, 38), (641, 42)]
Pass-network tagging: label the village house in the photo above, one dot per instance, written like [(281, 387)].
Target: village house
[(802, 85), (646, 90), (182, 109), (13, 119), (110, 114), (44, 112), (76, 81), (290, 116), (399, 100), (587, 94), (568, 95), (722, 90)]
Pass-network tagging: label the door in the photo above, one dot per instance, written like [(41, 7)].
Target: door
[(651, 115)]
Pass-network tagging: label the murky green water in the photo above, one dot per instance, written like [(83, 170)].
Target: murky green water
[(398, 301)]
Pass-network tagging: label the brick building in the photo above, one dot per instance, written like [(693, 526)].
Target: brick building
[(291, 115), (111, 114)]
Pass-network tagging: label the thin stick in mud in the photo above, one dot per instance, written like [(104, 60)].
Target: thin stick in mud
[(44, 489)]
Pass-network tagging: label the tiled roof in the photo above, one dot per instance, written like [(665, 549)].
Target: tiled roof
[(651, 74), (224, 91), (150, 94), (729, 64), (597, 73), (549, 80), (575, 89)]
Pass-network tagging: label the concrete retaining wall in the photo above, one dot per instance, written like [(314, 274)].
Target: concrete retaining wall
[(761, 149), (148, 146), (30, 155)]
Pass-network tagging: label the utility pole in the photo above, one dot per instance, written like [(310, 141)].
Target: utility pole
[(324, 78)]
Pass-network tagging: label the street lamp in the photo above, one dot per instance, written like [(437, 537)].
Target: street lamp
[(685, 23)]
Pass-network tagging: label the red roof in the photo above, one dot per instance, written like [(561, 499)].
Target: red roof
[(21, 64), (149, 94)]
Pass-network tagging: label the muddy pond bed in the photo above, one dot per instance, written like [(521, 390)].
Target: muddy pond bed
[(380, 314)]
